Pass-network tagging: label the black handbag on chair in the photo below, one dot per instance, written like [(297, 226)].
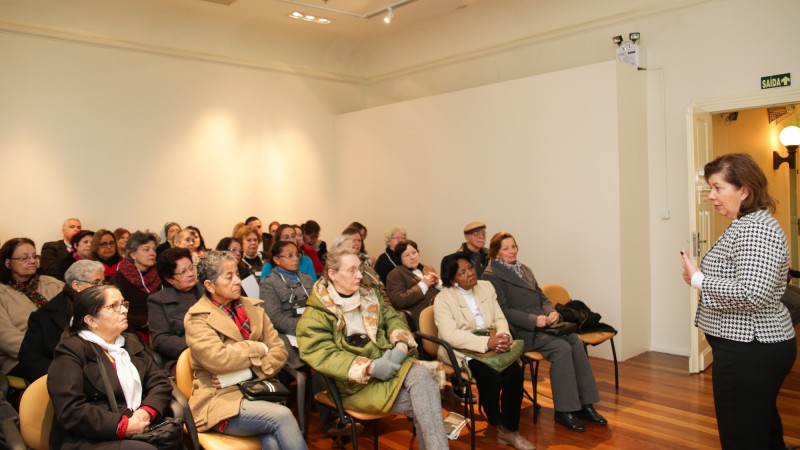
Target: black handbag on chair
[(270, 390)]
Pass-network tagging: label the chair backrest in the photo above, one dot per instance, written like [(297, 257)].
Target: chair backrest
[(556, 293), (427, 325), (183, 373), (36, 415)]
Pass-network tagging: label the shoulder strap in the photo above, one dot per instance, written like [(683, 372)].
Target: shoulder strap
[(112, 400)]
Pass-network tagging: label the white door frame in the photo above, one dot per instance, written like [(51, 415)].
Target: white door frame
[(718, 105)]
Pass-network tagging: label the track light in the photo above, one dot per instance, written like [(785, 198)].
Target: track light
[(389, 15), (634, 37), (617, 40)]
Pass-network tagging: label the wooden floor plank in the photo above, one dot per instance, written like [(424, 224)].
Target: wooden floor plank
[(659, 406)]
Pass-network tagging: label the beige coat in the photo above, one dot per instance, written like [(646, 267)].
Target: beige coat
[(15, 308), (456, 322), (217, 348)]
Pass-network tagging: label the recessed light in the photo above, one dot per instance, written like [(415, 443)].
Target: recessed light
[(310, 18), (297, 15), (324, 20)]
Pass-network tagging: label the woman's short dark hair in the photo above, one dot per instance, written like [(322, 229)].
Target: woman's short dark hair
[(496, 242), (7, 251), (76, 239), (450, 267), (358, 226), (99, 234), (167, 262), (741, 170), (277, 249), (87, 303), (310, 227), (139, 238), (403, 246), (224, 244), (251, 219)]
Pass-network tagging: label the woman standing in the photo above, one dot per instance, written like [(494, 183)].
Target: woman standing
[(412, 286), (82, 415), (229, 334), (137, 278), (742, 279), (104, 250), (528, 309)]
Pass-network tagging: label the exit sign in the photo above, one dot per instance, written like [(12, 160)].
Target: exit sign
[(773, 81)]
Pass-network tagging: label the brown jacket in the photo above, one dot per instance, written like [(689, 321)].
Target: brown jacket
[(15, 308), (402, 287), (217, 347)]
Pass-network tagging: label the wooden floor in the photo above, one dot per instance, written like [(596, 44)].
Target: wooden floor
[(659, 406)]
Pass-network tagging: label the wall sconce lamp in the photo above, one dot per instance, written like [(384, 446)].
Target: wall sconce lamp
[(790, 138)]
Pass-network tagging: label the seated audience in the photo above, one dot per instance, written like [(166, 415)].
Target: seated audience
[(57, 255), (22, 291), (388, 260), (167, 308), (122, 236), (369, 279), (307, 250), (82, 413), (266, 238), (228, 335), (104, 250), (137, 278), (233, 245), (251, 257), (47, 324), (412, 286), (288, 233), (311, 230), (362, 230), (349, 334), (167, 236), (527, 308), (285, 292), (273, 228), (82, 245), (200, 243), (187, 239), (475, 237), (467, 305)]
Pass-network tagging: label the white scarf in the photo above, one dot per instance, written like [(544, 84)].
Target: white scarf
[(126, 371)]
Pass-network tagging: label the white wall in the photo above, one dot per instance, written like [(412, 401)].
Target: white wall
[(538, 157), (132, 139)]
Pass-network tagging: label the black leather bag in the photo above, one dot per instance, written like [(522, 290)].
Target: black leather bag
[(168, 434), (270, 390), (559, 329)]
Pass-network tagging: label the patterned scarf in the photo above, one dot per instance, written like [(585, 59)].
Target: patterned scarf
[(235, 310), (515, 267), (148, 282), (31, 290)]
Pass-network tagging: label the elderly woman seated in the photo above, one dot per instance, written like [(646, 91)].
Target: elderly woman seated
[(463, 308), (412, 286), (47, 324), (388, 260), (187, 239), (137, 278), (250, 238), (350, 334), (232, 339), (167, 308), (369, 279), (22, 291), (82, 413)]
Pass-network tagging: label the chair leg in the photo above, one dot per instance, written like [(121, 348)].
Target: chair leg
[(535, 381), (353, 433), (470, 405), (301, 403), (616, 368), (375, 433)]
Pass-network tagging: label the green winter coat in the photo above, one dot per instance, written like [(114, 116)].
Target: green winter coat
[(322, 345)]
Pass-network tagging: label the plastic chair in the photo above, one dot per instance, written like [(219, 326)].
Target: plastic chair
[(428, 334), (35, 419), (208, 439), (532, 359), (558, 295)]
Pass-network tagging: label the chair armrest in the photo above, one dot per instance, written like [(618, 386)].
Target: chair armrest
[(12, 434), (451, 355), (180, 405), (333, 392)]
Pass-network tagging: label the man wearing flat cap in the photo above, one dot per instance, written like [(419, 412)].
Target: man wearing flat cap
[(475, 236)]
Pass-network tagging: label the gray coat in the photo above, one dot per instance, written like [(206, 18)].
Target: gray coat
[(284, 301), (521, 299)]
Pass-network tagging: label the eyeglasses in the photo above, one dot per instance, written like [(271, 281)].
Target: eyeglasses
[(107, 244), (116, 307), (235, 250), (291, 256), (185, 272), (25, 258), (481, 233), (94, 282), (352, 271)]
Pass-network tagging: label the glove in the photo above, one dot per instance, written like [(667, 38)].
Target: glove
[(397, 355), (383, 368)]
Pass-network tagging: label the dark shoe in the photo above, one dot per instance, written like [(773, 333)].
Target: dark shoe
[(339, 429), (570, 420), (589, 413)]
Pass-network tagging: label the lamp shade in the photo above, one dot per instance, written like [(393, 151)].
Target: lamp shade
[(790, 136)]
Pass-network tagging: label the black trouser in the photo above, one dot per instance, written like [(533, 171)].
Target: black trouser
[(500, 394), (747, 377)]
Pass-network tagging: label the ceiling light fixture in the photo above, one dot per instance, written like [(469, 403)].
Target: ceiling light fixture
[(310, 18), (387, 9), (389, 16)]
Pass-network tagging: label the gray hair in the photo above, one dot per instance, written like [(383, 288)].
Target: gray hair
[(139, 238), (210, 265), (336, 243), (80, 270), (393, 230), (334, 257)]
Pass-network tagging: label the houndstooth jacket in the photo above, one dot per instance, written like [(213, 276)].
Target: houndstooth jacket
[(745, 277)]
